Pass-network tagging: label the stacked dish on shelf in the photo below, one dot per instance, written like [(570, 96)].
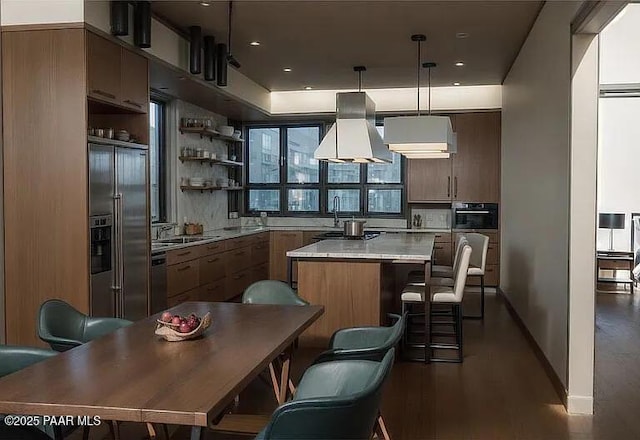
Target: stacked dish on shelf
[(197, 181)]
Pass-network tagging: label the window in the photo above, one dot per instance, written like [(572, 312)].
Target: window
[(157, 161), (285, 179)]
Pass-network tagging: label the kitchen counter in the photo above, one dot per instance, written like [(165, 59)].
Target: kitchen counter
[(406, 247), (227, 234)]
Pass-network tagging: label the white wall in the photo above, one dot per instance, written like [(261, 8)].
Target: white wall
[(619, 155), (535, 182), (619, 48), (582, 248), (20, 12)]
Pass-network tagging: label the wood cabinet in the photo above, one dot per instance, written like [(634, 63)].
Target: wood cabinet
[(476, 166), (470, 175), (104, 67), (281, 242), (428, 180), (116, 75), (217, 271), (134, 76)]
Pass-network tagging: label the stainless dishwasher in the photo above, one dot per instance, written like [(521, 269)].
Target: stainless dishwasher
[(158, 282)]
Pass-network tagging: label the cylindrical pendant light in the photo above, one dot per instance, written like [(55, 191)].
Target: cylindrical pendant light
[(195, 50), (142, 24), (221, 64), (209, 58), (119, 18)]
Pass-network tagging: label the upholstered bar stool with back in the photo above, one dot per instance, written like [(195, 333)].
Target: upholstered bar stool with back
[(442, 295)]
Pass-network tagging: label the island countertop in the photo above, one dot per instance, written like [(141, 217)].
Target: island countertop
[(406, 247)]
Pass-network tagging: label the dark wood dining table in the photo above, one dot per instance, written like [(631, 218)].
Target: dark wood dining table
[(133, 375)]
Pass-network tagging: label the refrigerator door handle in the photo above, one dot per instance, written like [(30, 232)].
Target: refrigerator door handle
[(118, 256)]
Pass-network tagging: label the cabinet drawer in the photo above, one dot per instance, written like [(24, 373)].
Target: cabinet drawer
[(257, 238), (493, 253), (442, 254), (238, 242), (442, 237), (260, 272), (491, 276), (213, 248), (182, 255), (237, 260), (182, 277), (212, 268), (260, 253), (191, 295), (214, 292), (237, 282)]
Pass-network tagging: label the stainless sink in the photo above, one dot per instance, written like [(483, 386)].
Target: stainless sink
[(183, 240)]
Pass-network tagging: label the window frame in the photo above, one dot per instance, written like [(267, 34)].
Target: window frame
[(162, 160), (325, 205)]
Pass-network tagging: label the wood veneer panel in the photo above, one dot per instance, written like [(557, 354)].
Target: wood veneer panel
[(45, 175), (349, 291)]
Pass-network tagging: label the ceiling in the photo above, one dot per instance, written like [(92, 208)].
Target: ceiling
[(321, 41)]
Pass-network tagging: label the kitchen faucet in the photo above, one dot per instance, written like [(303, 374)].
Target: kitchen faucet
[(164, 228), (336, 208)]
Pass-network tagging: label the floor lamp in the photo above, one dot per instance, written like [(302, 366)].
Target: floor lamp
[(611, 221)]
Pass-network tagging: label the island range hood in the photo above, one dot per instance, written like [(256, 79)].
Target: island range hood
[(353, 137)]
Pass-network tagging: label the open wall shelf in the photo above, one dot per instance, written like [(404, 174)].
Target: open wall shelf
[(211, 162), (210, 133)]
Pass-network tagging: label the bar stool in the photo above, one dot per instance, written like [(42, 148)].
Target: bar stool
[(447, 296), (439, 271)]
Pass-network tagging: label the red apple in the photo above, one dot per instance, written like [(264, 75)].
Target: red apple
[(184, 328), (175, 320), (166, 317)]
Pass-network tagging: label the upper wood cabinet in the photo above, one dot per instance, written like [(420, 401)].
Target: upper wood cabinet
[(135, 81), (470, 175), (428, 180), (103, 60), (476, 166), (117, 75)]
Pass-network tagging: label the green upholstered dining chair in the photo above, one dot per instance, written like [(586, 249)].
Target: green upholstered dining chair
[(272, 292), (364, 343), (335, 400), (14, 358), (63, 327)]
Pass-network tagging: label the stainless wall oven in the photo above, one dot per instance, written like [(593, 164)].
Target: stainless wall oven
[(475, 215)]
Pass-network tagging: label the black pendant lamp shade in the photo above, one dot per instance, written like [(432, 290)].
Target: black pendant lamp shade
[(221, 64), (209, 58), (195, 50), (119, 18), (142, 24)]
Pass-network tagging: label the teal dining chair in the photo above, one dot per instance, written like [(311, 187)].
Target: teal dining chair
[(278, 293), (14, 358), (63, 327), (335, 400), (272, 292)]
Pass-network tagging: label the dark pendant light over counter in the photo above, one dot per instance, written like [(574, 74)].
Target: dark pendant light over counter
[(119, 18), (195, 50), (142, 24), (209, 58)]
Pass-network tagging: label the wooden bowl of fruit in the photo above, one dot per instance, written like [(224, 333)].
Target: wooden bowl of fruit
[(176, 328)]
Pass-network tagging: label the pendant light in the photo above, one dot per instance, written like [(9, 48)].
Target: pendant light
[(354, 137), (420, 137)]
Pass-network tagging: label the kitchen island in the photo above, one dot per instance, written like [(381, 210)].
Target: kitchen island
[(354, 279)]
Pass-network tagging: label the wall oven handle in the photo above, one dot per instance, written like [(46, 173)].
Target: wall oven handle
[(471, 212)]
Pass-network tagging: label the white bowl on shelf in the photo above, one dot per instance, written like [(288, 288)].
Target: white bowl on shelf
[(226, 130)]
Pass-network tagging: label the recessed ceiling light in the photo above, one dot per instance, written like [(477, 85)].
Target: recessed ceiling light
[(205, 4), (308, 88), (462, 35), (287, 69), (456, 83), (163, 88), (182, 78), (255, 43), (459, 64)]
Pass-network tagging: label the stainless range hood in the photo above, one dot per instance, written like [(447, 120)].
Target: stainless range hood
[(353, 137)]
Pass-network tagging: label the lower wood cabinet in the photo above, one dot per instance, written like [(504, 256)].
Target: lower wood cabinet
[(442, 254), (281, 242), (218, 271)]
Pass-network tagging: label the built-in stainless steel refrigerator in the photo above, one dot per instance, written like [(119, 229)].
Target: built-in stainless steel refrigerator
[(119, 231)]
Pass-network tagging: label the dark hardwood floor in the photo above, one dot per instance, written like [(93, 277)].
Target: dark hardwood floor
[(499, 392)]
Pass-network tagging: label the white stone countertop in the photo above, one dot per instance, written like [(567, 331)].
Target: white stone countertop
[(408, 247)]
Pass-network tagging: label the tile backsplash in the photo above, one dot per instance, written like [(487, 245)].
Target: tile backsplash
[(431, 218)]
